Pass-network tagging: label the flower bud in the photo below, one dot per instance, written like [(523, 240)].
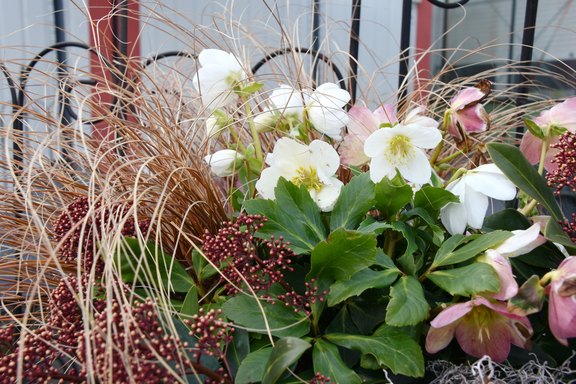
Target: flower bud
[(224, 162)]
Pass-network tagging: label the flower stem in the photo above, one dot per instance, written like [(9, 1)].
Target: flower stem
[(440, 145), (253, 130), (533, 202)]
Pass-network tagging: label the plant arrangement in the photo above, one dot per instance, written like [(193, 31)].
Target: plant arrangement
[(303, 240)]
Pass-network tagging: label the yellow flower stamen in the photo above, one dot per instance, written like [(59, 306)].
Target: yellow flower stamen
[(401, 148), (307, 177)]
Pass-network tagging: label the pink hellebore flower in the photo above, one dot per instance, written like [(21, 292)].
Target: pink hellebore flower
[(562, 305), (364, 122), (561, 115), (523, 241), (466, 114), (481, 327)]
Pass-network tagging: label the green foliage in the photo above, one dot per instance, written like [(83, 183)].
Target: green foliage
[(359, 282), (261, 316), (286, 352), (433, 199), (469, 280), (391, 348), (293, 215), (448, 255), (392, 195), (515, 166), (253, 366), (151, 266), (407, 306), (343, 254), (327, 360), (354, 202)]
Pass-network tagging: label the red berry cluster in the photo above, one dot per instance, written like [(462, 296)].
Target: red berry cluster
[(565, 158), (320, 379), (244, 258), (82, 223), (303, 302), (213, 334)]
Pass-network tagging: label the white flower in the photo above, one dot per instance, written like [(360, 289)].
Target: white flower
[(219, 74), (401, 148), (323, 107), (473, 189), (522, 241), (224, 162), (311, 165), (265, 121)]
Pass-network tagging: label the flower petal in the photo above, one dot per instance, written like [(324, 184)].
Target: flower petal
[(386, 114), (451, 314), (490, 181), (376, 143), (502, 266), (465, 97), (476, 204), (439, 338), (422, 136), (531, 146), (480, 338), (380, 168), (362, 122), (523, 241), (219, 58), (325, 159), (327, 196), (418, 169), (473, 119), (287, 100), (267, 183)]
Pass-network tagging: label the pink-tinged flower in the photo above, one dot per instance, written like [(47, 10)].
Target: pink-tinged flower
[(562, 115), (364, 122), (466, 114), (481, 327), (562, 304), (522, 241)]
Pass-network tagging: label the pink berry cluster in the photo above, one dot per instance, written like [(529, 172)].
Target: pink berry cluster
[(213, 335), (320, 379), (82, 223), (303, 302), (244, 258), (565, 158)]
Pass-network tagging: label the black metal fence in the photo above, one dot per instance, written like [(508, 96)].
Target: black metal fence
[(117, 64)]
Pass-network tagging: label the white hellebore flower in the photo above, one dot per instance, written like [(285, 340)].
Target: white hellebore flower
[(219, 74), (473, 189), (401, 148), (224, 162), (323, 107), (311, 165)]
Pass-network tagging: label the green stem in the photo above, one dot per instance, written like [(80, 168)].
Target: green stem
[(253, 130), (440, 145), (456, 175)]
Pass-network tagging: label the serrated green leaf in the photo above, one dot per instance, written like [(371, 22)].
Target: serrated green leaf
[(407, 305), (327, 360), (468, 280), (406, 260), (515, 166), (282, 320), (251, 369), (392, 349), (433, 199), (342, 254), (286, 351), (355, 200), (359, 282), (472, 248), (294, 216), (383, 260), (149, 265), (391, 196)]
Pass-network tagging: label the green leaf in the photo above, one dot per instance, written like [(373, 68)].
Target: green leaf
[(360, 281), (343, 254), (190, 305), (282, 320), (407, 305), (151, 266), (392, 195), (238, 350), (286, 352), (327, 361), (515, 166), (406, 260), (355, 200), (534, 129), (507, 219), (251, 88), (468, 280), (556, 234), (294, 216), (392, 349), (371, 225), (473, 248), (433, 199), (251, 369)]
